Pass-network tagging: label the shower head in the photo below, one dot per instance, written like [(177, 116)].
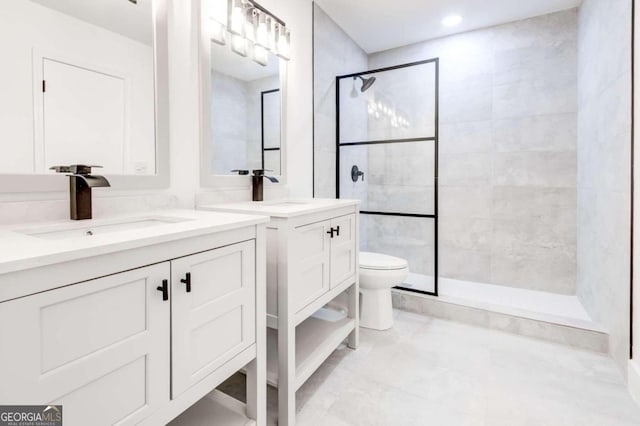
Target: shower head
[(366, 82)]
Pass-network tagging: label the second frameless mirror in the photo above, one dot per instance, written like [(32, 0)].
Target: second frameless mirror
[(245, 113)]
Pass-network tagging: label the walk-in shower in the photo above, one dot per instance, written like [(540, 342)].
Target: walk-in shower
[(387, 157)]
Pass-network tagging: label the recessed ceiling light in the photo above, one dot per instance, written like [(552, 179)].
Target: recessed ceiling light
[(451, 20)]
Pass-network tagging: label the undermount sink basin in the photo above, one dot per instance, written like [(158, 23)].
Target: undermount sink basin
[(287, 203), (82, 230)]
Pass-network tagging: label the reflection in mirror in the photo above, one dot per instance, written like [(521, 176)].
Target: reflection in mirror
[(77, 86), (245, 113), (270, 120)]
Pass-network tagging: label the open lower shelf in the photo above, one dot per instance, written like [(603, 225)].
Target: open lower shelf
[(216, 408), (316, 339)]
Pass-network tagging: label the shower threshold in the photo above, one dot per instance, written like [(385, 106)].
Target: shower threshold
[(550, 316)]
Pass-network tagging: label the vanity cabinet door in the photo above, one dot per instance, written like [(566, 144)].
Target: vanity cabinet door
[(343, 249), (99, 348), (213, 311), (310, 256)]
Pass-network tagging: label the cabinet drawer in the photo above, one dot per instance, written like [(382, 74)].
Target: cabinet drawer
[(213, 311), (99, 348)]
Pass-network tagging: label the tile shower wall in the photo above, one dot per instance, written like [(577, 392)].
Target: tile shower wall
[(228, 123), (604, 132), (254, 117), (236, 119), (508, 116), (335, 53)]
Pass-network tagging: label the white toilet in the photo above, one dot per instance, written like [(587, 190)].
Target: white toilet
[(378, 274)]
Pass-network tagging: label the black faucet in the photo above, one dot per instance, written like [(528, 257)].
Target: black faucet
[(257, 182), (80, 184)]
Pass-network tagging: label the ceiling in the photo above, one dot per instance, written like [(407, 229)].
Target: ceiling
[(134, 21), (384, 24)]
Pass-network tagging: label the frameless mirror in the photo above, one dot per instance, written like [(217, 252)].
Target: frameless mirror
[(78, 86), (245, 113)]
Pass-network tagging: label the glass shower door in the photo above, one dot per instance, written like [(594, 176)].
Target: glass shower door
[(387, 146)]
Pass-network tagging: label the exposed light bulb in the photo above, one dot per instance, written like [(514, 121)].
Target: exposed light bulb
[(262, 34), (284, 43), (271, 33), (236, 17), (250, 25)]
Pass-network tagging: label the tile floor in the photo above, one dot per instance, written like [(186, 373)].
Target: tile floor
[(427, 371)]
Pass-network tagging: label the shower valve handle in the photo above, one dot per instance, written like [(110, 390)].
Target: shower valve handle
[(356, 173)]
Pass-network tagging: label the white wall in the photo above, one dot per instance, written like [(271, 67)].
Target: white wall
[(604, 135), (27, 27), (634, 365), (335, 54)]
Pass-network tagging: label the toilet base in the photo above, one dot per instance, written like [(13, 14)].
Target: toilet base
[(376, 310)]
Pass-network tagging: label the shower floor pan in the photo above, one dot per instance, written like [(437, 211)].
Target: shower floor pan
[(549, 316)]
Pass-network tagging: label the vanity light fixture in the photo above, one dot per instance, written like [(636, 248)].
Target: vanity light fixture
[(262, 33), (250, 25), (252, 28), (283, 42)]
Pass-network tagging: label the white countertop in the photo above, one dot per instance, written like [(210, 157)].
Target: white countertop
[(282, 208), (20, 251)]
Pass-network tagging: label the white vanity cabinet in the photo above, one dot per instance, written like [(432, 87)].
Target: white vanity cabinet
[(322, 256), (312, 258), (75, 345), (142, 345), (213, 311)]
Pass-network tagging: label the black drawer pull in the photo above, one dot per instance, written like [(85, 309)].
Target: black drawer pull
[(336, 230), (187, 280), (164, 288)]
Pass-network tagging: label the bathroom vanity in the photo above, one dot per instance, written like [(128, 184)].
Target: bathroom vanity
[(132, 320), (312, 259)]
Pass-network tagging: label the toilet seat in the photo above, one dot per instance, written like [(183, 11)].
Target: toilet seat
[(381, 262)]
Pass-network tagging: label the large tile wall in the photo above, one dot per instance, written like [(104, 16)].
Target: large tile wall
[(335, 53), (236, 121), (604, 134), (229, 112), (508, 112)]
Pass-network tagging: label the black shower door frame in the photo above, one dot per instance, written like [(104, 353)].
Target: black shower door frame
[(433, 139), (262, 95)]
